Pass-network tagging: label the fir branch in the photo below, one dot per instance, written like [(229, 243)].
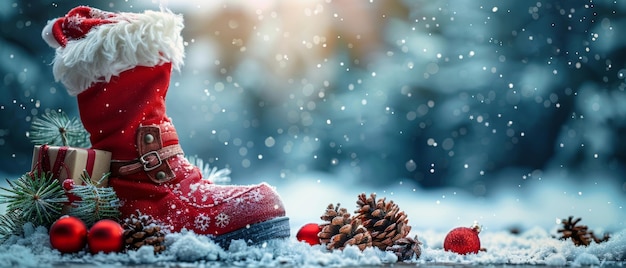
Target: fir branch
[(11, 224), (56, 128), (94, 203), (38, 197), (212, 174)]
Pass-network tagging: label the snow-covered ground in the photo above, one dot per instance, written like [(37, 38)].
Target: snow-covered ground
[(533, 247), (533, 210)]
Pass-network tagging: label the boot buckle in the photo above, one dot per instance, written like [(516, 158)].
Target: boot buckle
[(146, 163)]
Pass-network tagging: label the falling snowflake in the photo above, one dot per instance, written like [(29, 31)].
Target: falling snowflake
[(221, 220), (202, 222)]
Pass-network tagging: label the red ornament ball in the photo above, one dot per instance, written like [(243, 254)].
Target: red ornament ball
[(308, 233), (462, 240), (68, 234), (105, 236)]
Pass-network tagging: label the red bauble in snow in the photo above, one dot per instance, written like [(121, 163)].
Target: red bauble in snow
[(308, 233), (105, 236), (463, 240), (68, 234)]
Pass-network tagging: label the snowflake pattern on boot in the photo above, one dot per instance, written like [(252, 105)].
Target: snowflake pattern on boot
[(222, 220), (202, 222)]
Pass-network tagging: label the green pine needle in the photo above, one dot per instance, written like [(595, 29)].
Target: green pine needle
[(38, 197), (95, 203), (57, 129), (11, 224)]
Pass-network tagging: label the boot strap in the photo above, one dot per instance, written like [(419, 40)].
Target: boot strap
[(152, 156)]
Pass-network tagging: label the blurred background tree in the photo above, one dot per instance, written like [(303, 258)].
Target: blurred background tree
[(456, 93)]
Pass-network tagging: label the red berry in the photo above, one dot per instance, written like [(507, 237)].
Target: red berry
[(308, 233), (68, 185), (462, 240), (105, 236), (68, 234)]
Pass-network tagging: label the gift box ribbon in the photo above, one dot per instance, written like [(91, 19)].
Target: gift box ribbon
[(44, 161)]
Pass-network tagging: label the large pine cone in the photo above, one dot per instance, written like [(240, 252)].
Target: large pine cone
[(384, 220), (140, 230), (341, 231)]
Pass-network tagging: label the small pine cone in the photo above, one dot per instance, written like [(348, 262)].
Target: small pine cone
[(384, 220), (340, 230), (406, 248), (335, 218), (352, 233), (578, 233), (142, 230)]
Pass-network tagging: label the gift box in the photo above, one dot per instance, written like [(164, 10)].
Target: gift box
[(70, 162)]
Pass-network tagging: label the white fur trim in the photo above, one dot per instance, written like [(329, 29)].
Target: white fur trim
[(135, 39), (47, 36)]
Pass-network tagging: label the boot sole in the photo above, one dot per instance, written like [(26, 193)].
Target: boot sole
[(258, 232)]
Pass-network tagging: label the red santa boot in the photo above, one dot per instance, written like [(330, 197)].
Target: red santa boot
[(118, 65)]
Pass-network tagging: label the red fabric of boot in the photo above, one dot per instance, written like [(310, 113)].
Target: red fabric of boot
[(113, 111)]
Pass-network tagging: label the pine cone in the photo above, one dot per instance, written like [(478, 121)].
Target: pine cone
[(142, 230), (336, 218), (405, 248), (384, 220), (341, 230), (579, 234)]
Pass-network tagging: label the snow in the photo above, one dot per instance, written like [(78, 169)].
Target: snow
[(533, 247), (586, 259), (536, 244)]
